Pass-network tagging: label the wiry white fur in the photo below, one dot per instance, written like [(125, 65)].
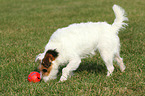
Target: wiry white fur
[(120, 17), (80, 40)]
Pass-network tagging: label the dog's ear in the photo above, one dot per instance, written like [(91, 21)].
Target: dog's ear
[(47, 60), (39, 57), (49, 57), (54, 53)]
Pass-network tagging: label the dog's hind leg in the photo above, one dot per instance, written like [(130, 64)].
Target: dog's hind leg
[(72, 66), (120, 62), (107, 56)]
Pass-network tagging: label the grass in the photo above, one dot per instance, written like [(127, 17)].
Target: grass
[(26, 26)]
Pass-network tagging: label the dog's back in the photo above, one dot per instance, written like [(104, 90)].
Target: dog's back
[(80, 38)]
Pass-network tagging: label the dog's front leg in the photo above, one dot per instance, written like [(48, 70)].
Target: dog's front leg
[(73, 65)]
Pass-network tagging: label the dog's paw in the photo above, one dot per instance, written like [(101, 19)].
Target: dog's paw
[(108, 74), (122, 68), (62, 79)]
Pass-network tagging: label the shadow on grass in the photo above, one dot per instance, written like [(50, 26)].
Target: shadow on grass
[(92, 67)]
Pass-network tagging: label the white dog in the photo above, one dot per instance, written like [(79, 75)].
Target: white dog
[(70, 44)]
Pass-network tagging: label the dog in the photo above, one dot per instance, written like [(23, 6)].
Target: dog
[(68, 45)]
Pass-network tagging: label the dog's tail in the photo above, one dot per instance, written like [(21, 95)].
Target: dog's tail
[(120, 17)]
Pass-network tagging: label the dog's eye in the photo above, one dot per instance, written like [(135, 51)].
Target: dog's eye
[(44, 70)]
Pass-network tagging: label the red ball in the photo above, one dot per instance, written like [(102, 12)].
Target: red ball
[(34, 77)]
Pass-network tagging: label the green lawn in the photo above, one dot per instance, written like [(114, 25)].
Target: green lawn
[(26, 26)]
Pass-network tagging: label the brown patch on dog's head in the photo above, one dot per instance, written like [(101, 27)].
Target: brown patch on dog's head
[(46, 64)]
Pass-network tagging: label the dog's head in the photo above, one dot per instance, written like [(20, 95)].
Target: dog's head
[(47, 62)]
